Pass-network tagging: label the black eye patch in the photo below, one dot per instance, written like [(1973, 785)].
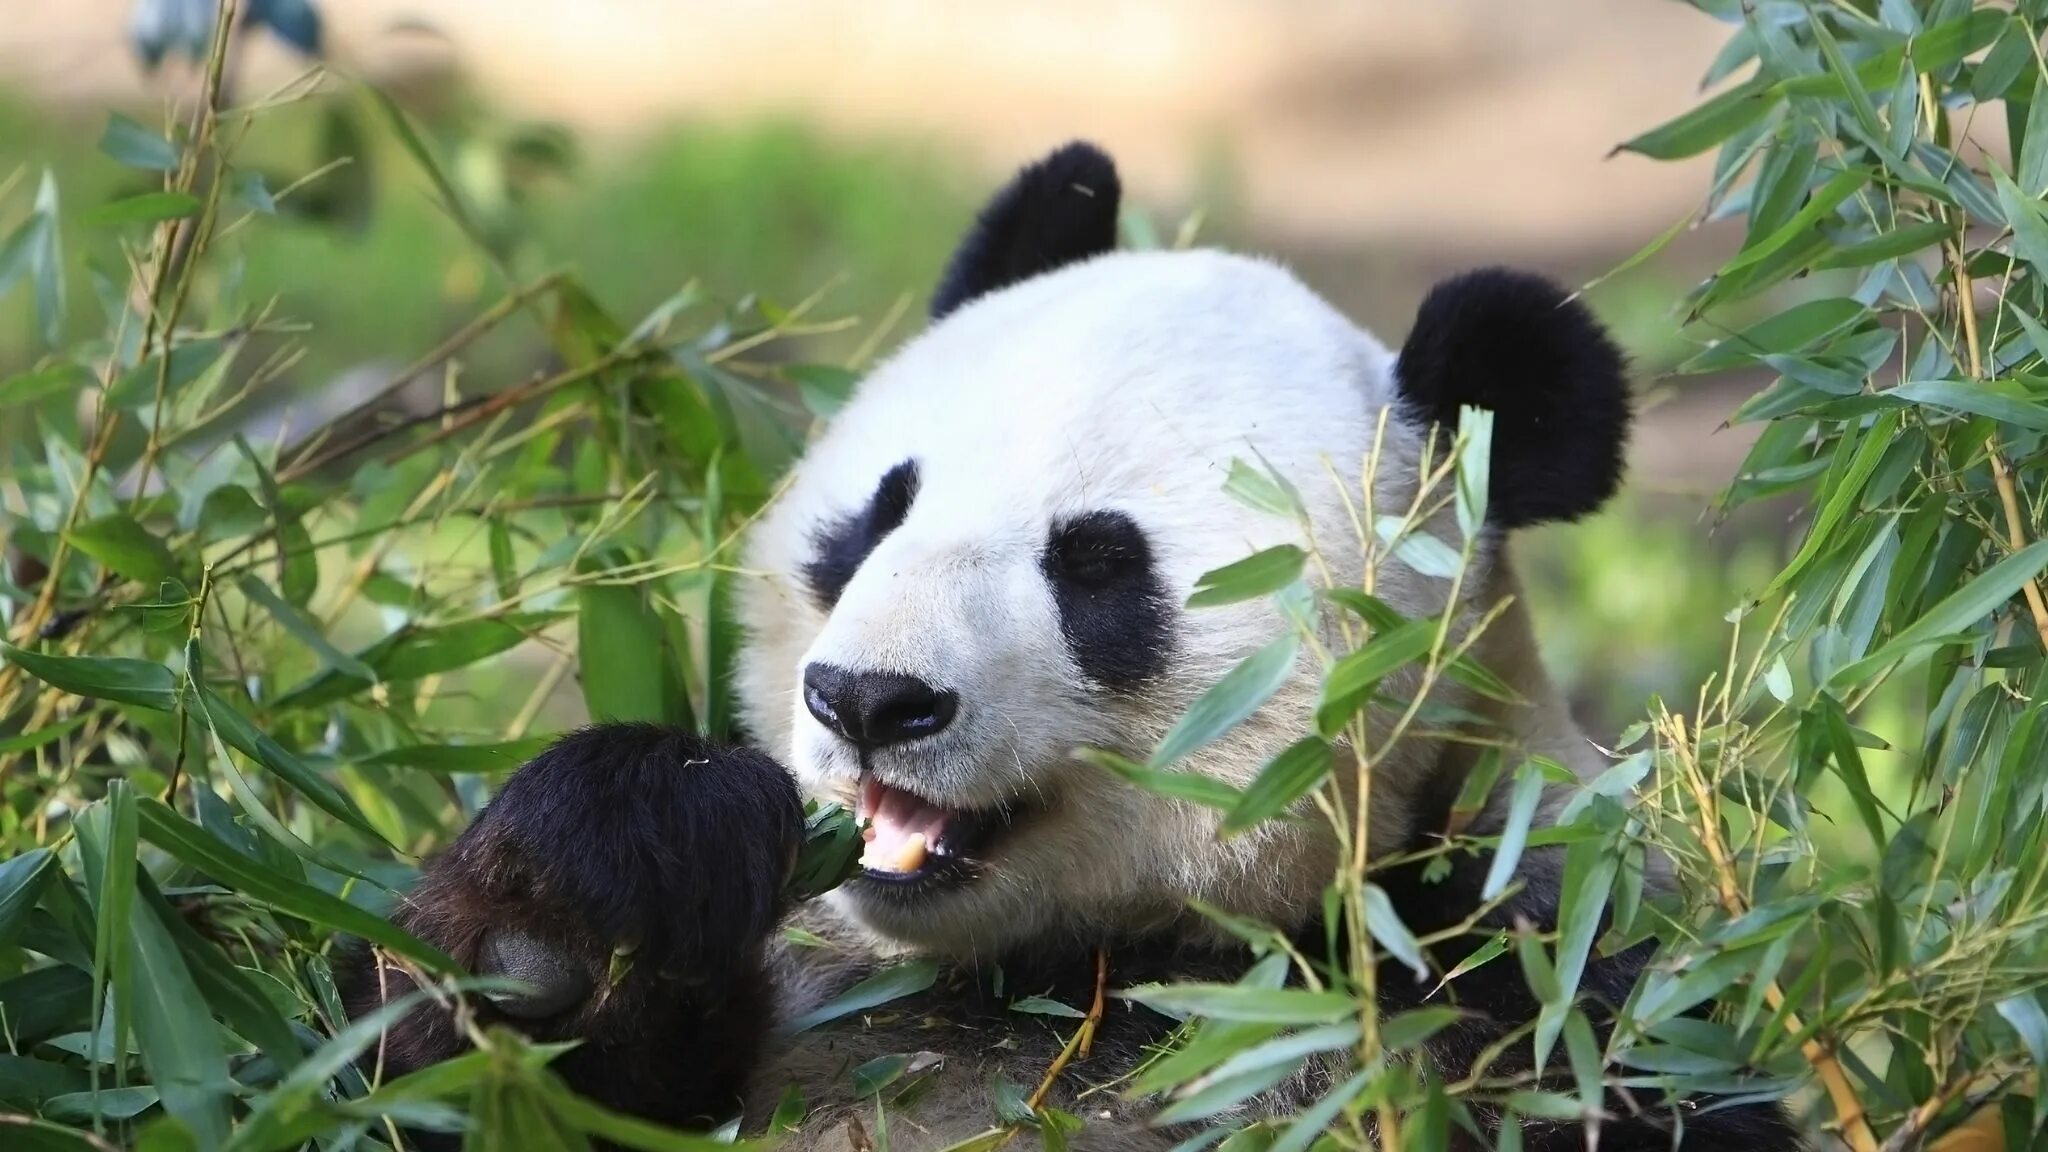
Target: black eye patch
[(843, 544), (1114, 612)]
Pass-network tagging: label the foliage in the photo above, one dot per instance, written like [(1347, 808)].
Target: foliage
[(255, 677), (250, 680)]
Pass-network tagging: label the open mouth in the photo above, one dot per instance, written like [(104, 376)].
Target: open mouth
[(911, 840)]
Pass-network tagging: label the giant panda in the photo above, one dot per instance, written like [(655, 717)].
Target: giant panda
[(982, 565)]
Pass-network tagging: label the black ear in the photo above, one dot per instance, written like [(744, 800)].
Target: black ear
[(1055, 212), (1520, 346)]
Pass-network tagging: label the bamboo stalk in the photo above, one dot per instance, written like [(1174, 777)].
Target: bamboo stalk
[(1818, 1049)]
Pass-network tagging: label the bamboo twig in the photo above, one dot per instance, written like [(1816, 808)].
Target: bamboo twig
[(2001, 472), (1818, 1049), (1082, 1039)]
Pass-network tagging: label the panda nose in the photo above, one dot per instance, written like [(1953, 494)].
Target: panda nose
[(876, 709)]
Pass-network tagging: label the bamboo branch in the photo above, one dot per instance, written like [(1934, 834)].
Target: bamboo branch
[(2001, 472), (1818, 1048)]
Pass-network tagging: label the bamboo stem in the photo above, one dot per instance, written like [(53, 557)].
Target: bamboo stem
[(1818, 1049), (2001, 472)]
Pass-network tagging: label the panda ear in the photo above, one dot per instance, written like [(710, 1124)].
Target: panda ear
[(1520, 346), (1054, 212)]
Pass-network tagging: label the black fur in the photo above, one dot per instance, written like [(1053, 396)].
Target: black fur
[(1114, 612), (620, 835), (1057, 211), (1518, 345), (843, 545)]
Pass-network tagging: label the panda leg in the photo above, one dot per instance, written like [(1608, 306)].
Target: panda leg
[(630, 875)]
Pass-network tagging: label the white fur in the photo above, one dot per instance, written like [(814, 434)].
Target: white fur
[(1129, 383)]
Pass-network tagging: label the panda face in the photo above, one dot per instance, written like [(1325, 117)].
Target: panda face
[(982, 565)]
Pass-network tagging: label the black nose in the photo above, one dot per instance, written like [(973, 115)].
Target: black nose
[(874, 709)]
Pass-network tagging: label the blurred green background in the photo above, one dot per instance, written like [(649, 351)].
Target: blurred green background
[(785, 200)]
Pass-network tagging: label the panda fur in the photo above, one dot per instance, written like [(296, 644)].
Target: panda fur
[(981, 565)]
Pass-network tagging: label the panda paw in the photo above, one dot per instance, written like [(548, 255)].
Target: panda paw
[(647, 848), (628, 877)]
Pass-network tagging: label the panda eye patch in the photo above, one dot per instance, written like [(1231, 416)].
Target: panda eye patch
[(843, 545), (1097, 548), (1114, 612)]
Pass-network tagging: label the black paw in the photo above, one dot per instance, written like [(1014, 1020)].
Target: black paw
[(633, 847)]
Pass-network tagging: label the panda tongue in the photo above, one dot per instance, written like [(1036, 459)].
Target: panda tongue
[(901, 827)]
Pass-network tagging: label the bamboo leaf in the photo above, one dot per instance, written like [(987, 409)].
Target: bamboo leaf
[(197, 847), (115, 678), (895, 982), (1259, 574), (1230, 701)]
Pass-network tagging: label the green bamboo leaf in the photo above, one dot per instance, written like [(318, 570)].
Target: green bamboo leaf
[(2028, 220), (200, 849), (1419, 550), (1192, 787), (1387, 929), (179, 1042), (1384, 618), (21, 886), (1259, 574), (137, 146), (47, 734), (148, 208), (1251, 1005), (1983, 595), (445, 759), (1295, 772), (409, 138), (1902, 241), (244, 737), (416, 651), (1931, 50), (115, 678), (892, 983), (1288, 1050), (1514, 834), (1230, 701), (1706, 125), (126, 547), (628, 669), (1475, 464), (1263, 490), (1843, 494), (2003, 401), (303, 629), (1822, 203), (1797, 327), (189, 359), (277, 1118), (228, 990), (107, 1104), (106, 837), (1316, 1120), (622, 1130), (45, 254), (1853, 86), (1040, 1006), (1352, 681), (2009, 57), (2031, 175), (60, 379)]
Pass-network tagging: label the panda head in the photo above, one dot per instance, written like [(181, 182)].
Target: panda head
[(983, 563)]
